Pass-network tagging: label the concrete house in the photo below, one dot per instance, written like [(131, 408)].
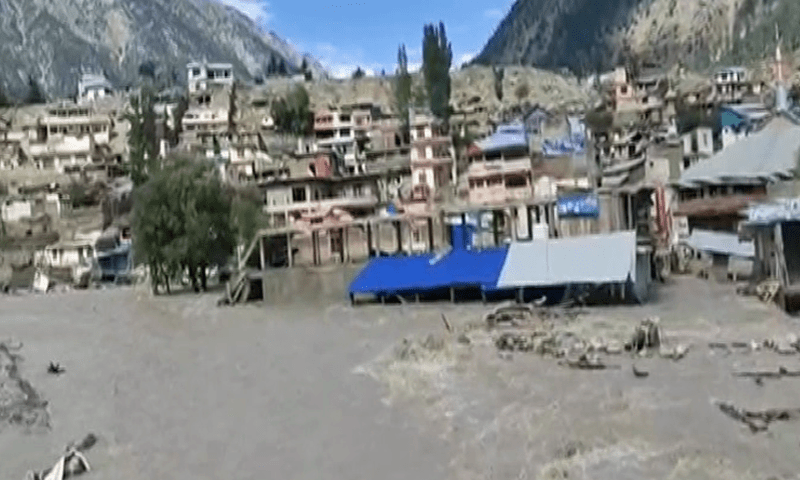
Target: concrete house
[(203, 75), (500, 167), (432, 158)]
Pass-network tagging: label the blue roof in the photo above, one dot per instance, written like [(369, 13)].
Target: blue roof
[(416, 274), (511, 136)]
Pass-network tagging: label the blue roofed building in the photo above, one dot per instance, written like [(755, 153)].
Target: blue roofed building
[(500, 167)]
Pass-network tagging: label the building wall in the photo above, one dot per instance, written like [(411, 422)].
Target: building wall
[(16, 210)]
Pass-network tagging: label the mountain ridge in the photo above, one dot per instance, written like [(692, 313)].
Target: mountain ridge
[(583, 36), (54, 41)]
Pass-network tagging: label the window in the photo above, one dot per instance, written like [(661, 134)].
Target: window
[(195, 72), (623, 90), (516, 182), (416, 235), (344, 118), (422, 177), (299, 194), (336, 241), (358, 191)]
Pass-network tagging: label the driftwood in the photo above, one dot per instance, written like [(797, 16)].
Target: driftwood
[(446, 323), (639, 373), (586, 362), (780, 373), (758, 421)]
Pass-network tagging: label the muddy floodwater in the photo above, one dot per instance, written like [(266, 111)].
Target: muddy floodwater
[(306, 387)]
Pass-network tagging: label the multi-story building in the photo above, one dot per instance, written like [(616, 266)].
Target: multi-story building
[(500, 167), (204, 75), (69, 138), (93, 86), (731, 84), (432, 158), (346, 130)]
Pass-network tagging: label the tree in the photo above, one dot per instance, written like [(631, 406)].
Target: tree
[(35, 94), (4, 101), (183, 223), (498, 74), (402, 90), (359, 73), (292, 114), (437, 56), (142, 140)]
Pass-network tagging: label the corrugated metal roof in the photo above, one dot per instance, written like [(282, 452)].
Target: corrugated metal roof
[(506, 137), (721, 242), (419, 273), (770, 151), (609, 258)]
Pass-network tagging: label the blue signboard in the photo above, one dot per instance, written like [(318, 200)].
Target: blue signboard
[(579, 206)]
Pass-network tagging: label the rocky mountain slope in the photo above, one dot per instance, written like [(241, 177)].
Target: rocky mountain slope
[(584, 35), (52, 41)]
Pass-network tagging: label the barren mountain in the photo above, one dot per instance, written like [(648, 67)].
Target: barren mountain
[(53, 41), (585, 35)]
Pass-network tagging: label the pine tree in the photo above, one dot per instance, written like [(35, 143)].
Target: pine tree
[(142, 138), (359, 73), (437, 57)]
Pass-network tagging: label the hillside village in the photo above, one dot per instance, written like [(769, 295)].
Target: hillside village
[(671, 155)]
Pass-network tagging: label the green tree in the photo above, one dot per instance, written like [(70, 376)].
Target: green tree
[(292, 114), (359, 73), (498, 74), (402, 91), (35, 94), (142, 139), (437, 57), (183, 223)]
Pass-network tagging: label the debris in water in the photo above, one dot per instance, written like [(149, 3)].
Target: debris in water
[(758, 421), (639, 373), (55, 369)]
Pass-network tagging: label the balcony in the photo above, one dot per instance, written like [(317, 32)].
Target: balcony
[(365, 201)]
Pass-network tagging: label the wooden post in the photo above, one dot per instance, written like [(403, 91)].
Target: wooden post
[(520, 294), (369, 238), (431, 246), (289, 250), (262, 254), (452, 295), (314, 240), (263, 272), (495, 229), (399, 231), (345, 254), (483, 296)]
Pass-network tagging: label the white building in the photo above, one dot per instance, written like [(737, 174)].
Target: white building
[(93, 86), (203, 75)]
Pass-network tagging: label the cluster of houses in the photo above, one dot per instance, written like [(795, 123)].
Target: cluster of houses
[(675, 158)]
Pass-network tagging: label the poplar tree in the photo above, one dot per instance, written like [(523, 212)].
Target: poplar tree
[(402, 90), (437, 57)]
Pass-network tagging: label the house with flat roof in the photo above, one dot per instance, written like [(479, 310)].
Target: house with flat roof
[(203, 75)]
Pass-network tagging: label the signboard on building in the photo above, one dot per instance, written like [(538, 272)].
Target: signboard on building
[(579, 206), (779, 210)]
